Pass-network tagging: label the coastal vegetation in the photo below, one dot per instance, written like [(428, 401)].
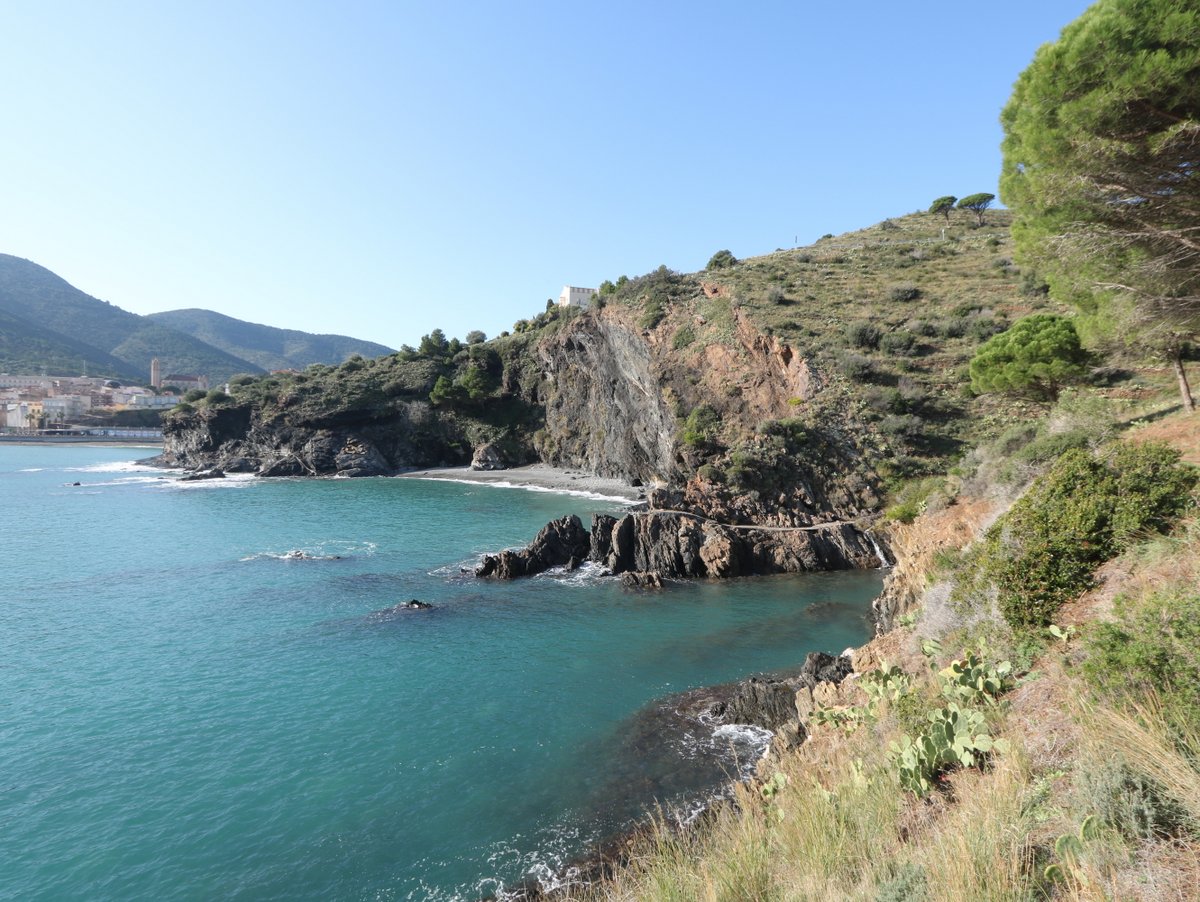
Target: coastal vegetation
[(1030, 726), (995, 746), (1100, 165)]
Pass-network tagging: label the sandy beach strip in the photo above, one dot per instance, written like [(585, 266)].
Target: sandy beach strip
[(538, 477)]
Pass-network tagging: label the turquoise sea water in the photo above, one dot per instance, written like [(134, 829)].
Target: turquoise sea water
[(185, 713)]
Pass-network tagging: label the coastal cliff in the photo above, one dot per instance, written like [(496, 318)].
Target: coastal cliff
[(768, 405)]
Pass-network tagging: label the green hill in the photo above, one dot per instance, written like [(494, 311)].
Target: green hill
[(267, 346), (28, 348), (96, 330)]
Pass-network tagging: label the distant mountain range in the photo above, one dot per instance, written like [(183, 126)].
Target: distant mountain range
[(266, 346), (48, 325)]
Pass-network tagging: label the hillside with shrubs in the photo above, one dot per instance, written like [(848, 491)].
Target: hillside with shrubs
[(831, 380)]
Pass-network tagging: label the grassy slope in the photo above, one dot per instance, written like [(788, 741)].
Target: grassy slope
[(885, 319)]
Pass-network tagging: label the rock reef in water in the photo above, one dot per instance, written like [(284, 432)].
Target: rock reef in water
[(561, 543), (658, 545)]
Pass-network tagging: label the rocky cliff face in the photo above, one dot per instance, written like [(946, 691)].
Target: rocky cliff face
[(604, 405), (914, 546)]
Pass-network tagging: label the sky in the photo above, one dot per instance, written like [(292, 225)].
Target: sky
[(381, 169)]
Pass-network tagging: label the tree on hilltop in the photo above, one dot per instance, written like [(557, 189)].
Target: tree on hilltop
[(434, 344), (723, 259), (943, 206), (1102, 170), (977, 204)]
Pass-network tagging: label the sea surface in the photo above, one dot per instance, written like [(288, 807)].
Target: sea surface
[(191, 710)]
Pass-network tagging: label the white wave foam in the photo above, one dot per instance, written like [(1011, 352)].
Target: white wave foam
[(329, 550), (136, 480), (585, 574), (119, 466), (229, 481), (744, 734), (505, 484)]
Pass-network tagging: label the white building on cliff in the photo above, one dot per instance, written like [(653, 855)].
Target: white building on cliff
[(575, 297)]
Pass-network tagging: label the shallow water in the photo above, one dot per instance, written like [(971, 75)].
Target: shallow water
[(186, 711)]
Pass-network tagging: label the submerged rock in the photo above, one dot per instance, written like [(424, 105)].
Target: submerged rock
[(214, 473), (642, 579)]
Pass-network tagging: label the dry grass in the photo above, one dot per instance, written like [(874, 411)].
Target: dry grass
[(1139, 735)]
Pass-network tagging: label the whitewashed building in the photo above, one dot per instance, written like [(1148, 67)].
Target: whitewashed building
[(61, 408), (575, 297)]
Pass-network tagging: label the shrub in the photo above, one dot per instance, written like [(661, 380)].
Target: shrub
[(701, 425), (1082, 512), (1151, 648), (902, 425), (856, 367), (863, 335), (913, 499), (194, 395), (952, 328), (899, 343), (1033, 286), (652, 315), (904, 292), (683, 337), (216, 396), (776, 294)]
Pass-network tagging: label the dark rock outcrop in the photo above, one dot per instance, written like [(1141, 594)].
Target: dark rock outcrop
[(676, 545), (604, 404), (765, 703), (770, 702), (559, 542)]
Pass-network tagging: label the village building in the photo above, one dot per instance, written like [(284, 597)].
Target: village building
[(185, 382)]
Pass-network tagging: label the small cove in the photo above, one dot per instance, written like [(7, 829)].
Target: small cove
[(190, 714)]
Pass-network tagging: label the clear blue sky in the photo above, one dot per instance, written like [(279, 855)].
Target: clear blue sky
[(380, 169)]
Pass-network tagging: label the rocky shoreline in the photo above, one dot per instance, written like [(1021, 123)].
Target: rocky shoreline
[(777, 702)]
